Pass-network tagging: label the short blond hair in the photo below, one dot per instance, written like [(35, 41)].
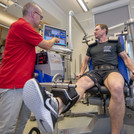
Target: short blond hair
[(28, 7)]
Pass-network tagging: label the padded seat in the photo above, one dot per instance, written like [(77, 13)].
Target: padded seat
[(104, 90)]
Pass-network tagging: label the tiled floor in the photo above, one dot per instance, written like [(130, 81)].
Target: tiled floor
[(29, 126), (68, 122)]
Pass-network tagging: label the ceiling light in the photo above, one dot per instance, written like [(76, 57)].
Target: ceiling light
[(83, 5), (2, 5)]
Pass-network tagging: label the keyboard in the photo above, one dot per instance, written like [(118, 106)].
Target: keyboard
[(60, 49)]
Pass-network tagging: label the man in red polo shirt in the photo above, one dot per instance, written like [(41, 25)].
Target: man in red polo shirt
[(18, 66)]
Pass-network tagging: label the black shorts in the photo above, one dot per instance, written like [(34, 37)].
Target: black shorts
[(99, 75)]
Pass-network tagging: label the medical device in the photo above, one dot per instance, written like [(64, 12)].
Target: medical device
[(49, 32), (48, 64)]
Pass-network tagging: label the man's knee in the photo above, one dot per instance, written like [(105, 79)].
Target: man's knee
[(85, 82), (117, 93)]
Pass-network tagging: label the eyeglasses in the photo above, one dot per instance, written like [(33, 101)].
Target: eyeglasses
[(41, 17)]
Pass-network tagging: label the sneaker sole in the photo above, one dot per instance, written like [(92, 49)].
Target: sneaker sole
[(33, 99)]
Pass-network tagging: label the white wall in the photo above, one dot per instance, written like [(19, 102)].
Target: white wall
[(132, 8), (87, 22), (4, 33), (55, 12)]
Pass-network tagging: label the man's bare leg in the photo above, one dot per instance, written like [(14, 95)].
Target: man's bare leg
[(115, 84), (83, 84), (116, 110)]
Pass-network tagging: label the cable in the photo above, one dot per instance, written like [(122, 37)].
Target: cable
[(34, 129)]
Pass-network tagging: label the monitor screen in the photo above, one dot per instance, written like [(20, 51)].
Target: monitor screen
[(50, 32)]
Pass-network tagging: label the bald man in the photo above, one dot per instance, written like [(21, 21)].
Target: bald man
[(18, 66)]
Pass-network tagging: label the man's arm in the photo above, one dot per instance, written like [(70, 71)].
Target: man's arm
[(128, 62), (47, 44), (84, 66)]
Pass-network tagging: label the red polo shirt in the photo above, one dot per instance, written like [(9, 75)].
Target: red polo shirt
[(19, 55)]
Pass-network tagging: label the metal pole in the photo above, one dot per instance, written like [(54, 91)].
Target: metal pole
[(58, 85), (71, 14), (80, 62), (70, 30), (118, 25), (7, 3), (130, 25)]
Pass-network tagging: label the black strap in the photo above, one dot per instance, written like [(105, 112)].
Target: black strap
[(34, 129), (97, 85), (104, 67)]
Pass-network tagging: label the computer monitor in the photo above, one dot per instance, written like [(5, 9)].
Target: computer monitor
[(50, 32)]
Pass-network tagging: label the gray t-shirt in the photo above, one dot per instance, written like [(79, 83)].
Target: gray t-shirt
[(105, 53)]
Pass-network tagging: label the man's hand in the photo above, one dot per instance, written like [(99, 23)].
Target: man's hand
[(78, 76), (132, 76), (57, 40)]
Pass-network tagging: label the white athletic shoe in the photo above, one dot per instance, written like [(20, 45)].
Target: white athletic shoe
[(42, 104)]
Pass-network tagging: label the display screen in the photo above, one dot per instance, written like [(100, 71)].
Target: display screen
[(50, 32)]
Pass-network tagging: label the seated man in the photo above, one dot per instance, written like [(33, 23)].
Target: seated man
[(104, 55)]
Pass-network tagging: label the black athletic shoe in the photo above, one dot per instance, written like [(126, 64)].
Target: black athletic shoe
[(42, 104)]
